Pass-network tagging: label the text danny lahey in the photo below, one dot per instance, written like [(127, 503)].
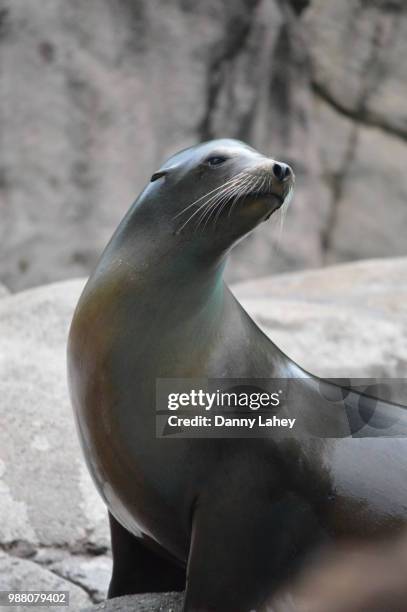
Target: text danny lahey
[(221, 421)]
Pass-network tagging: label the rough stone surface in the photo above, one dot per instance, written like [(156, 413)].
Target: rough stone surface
[(38, 442), (49, 510), (363, 169), (22, 574), (361, 124), (169, 602), (92, 574), (356, 48), (150, 602), (347, 320)]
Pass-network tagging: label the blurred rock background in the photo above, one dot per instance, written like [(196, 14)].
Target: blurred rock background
[(96, 94)]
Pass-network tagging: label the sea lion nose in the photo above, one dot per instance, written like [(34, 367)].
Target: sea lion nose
[(282, 171)]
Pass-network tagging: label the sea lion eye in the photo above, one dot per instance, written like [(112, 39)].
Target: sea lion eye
[(215, 160), (157, 175)]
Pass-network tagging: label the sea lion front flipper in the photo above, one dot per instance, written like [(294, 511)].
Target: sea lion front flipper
[(139, 569), (241, 550)]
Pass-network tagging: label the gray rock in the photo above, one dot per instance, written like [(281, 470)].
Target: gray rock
[(20, 574), (360, 124), (363, 167), (347, 320), (149, 602), (47, 497), (375, 172), (93, 574), (168, 602), (356, 49)]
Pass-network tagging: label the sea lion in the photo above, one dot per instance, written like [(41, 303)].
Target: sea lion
[(236, 515)]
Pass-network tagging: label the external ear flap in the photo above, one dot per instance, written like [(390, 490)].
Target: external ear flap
[(158, 175)]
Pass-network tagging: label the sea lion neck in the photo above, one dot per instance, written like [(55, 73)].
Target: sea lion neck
[(172, 277)]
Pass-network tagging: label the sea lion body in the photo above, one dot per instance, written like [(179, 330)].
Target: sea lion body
[(156, 306)]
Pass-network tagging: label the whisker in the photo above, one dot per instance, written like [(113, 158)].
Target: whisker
[(225, 186), (200, 207), (283, 213), (220, 198), (252, 182), (224, 194), (198, 200), (202, 197), (263, 182), (240, 187)]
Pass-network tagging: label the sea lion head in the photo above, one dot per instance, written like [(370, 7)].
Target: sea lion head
[(213, 194)]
